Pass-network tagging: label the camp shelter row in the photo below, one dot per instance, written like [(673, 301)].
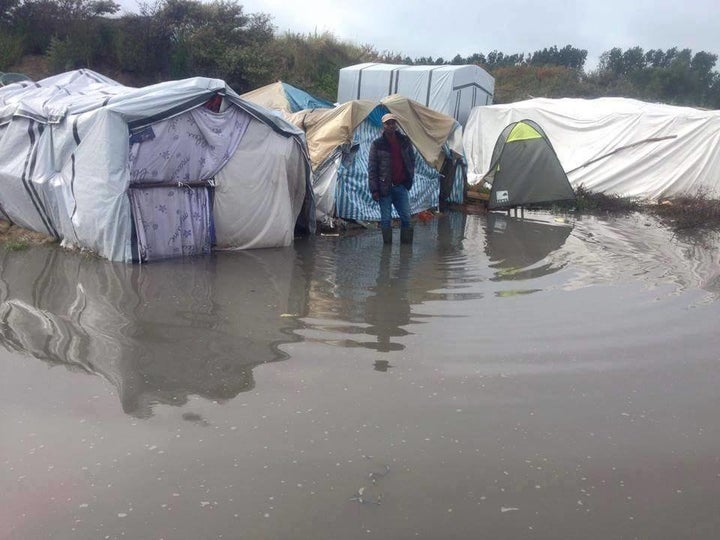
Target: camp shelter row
[(182, 167)]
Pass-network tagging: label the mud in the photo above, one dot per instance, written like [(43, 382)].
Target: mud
[(503, 378)]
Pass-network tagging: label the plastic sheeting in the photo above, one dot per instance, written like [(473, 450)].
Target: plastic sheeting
[(433, 134), (257, 197), (451, 90), (612, 145), (65, 154)]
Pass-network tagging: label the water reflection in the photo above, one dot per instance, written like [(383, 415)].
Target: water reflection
[(362, 289), (158, 333), (163, 332), (388, 310), (515, 246)]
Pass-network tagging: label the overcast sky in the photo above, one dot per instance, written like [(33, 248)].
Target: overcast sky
[(446, 27)]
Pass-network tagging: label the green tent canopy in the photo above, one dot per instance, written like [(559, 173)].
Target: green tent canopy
[(525, 169)]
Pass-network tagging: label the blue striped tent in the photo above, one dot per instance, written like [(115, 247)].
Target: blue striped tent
[(352, 196)]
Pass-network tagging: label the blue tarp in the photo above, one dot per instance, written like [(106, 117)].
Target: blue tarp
[(299, 100)]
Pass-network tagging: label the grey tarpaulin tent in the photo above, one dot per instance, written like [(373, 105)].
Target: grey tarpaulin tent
[(525, 169)]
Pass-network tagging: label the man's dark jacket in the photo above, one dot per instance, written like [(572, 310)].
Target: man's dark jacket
[(380, 164)]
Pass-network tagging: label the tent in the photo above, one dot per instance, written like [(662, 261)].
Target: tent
[(339, 142), (524, 168), (285, 97), (451, 90), (143, 174), (616, 146)]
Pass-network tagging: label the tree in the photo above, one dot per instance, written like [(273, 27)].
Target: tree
[(7, 9), (568, 56)]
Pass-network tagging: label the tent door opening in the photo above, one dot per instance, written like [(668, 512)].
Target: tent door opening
[(171, 221)]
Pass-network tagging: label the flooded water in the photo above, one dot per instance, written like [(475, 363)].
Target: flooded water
[(513, 378)]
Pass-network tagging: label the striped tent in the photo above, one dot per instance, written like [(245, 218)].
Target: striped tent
[(339, 142)]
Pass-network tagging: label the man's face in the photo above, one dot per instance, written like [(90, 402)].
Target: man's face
[(390, 126)]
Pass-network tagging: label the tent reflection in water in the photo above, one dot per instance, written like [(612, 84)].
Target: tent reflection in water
[(525, 169), (516, 245), (141, 174), (129, 325)]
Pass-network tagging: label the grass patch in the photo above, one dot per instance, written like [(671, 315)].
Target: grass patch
[(17, 245)]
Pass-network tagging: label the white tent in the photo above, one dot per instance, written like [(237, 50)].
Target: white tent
[(612, 145), (144, 174), (451, 90)]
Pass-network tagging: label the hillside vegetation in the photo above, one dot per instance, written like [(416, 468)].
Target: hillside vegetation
[(173, 39)]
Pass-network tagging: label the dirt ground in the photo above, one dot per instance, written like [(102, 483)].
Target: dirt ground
[(18, 237)]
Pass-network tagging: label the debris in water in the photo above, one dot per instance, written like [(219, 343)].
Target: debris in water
[(375, 475), (362, 499)]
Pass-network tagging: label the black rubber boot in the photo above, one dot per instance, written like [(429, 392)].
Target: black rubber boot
[(387, 235), (406, 235)]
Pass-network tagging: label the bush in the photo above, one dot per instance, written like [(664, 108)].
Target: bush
[(11, 50)]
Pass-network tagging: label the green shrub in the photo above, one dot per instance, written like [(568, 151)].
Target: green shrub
[(11, 50), (16, 245)]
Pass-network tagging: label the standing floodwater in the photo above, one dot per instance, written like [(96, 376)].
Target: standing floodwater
[(498, 378)]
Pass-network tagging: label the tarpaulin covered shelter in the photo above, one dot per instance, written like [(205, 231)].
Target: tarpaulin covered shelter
[(339, 141), (281, 96), (616, 146), (148, 173), (524, 169), (451, 90)]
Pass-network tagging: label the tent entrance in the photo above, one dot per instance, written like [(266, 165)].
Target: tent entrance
[(171, 221)]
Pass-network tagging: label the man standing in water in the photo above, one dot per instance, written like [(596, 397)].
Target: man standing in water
[(391, 169)]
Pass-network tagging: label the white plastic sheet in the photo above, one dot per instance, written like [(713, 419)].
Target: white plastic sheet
[(612, 145)]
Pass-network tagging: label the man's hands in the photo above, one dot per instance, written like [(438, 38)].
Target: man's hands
[(376, 196)]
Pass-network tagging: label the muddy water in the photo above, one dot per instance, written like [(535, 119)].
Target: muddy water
[(504, 378)]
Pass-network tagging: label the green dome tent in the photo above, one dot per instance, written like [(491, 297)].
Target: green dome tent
[(525, 169)]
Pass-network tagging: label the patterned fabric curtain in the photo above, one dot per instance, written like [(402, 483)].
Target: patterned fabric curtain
[(191, 147), (171, 221)]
